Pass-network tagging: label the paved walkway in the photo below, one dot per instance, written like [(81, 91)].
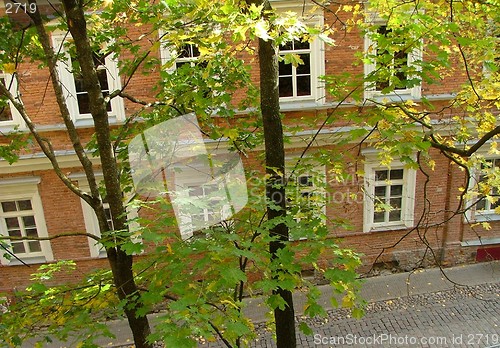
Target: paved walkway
[(453, 318), (418, 309)]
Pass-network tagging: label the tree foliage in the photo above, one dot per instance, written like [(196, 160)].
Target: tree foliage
[(200, 283)]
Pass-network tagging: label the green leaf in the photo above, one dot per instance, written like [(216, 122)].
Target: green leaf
[(292, 58), (305, 329), (276, 301)]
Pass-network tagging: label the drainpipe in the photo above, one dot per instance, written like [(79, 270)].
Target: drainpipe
[(447, 213)]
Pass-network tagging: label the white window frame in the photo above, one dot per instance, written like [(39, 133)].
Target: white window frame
[(408, 197), (92, 225), (318, 175), (25, 189), (182, 186), (473, 214), (17, 120), (169, 56), (370, 48), (317, 54), (117, 113)]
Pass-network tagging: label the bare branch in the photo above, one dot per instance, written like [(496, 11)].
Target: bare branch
[(60, 235)]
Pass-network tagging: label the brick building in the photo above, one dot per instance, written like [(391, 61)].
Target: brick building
[(34, 202)]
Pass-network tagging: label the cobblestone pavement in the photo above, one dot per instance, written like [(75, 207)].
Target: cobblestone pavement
[(462, 317), (412, 309)]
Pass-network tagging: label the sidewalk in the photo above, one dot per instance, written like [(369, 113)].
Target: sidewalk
[(380, 288)]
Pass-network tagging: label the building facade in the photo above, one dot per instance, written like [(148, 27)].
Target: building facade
[(419, 228)]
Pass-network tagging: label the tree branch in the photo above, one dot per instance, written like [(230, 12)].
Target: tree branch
[(60, 235)]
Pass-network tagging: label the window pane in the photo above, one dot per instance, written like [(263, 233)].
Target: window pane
[(29, 221), (99, 59), (380, 191), (103, 79), (395, 215), (284, 69), (382, 83), (401, 61), (34, 246), (286, 46), (31, 232), (25, 205), (381, 175), (285, 87), (396, 202), (306, 194), (303, 85), (79, 87), (83, 103), (18, 247), (189, 51), (396, 190), (12, 222), (15, 233), (481, 205), (179, 64), (9, 206), (299, 45), (495, 204), (397, 174), (304, 69), (378, 216)]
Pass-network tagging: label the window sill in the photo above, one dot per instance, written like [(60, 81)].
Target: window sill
[(299, 103), (26, 260), (396, 96), (83, 121), (485, 217), (10, 127), (387, 228), (480, 242)]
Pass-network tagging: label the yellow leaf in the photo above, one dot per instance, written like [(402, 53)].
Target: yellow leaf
[(347, 302), (9, 68), (204, 51)]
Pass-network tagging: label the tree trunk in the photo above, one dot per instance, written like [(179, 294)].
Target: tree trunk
[(121, 263), (275, 186)]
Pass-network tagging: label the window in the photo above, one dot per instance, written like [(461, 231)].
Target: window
[(9, 116), (394, 64), (488, 205), (92, 225), (187, 54), (206, 212), (295, 81), (74, 90), (306, 196), (301, 83), (21, 215), (206, 206), (391, 63), (484, 183), (82, 96), (389, 197)]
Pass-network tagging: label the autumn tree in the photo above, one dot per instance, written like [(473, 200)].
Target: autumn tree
[(90, 37), (201, 281)]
